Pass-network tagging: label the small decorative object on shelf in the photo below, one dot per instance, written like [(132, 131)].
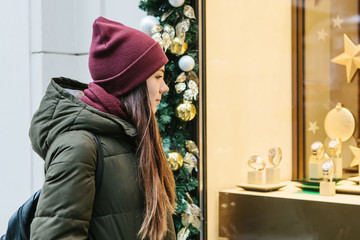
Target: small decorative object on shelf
[(327, 187), (315, 161), (256, 176), (273, 173), (335, 148)]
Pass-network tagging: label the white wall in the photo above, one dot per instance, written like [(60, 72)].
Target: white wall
[(248, 47), (14, 106), (41, 39)]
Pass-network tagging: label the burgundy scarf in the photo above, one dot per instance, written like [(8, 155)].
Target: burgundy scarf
[(98, 98)]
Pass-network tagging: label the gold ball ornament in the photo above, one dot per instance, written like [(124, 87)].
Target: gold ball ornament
[(177, 47), (175, 160), (185, 111)]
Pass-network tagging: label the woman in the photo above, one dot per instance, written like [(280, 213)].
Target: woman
[(136, 197)]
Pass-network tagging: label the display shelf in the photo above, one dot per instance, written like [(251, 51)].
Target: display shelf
[(290, 191), (288, 213)]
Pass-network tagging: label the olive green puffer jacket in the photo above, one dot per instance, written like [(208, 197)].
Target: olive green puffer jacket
[(68, 207)]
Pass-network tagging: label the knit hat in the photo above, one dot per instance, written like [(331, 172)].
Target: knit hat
[(121, 58)]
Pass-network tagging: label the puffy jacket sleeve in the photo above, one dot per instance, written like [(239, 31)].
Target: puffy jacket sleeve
[(65, 206)]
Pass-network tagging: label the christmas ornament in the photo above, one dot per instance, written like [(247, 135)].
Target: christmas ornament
[(181, 28), (186, 63), (194, 88), (185, 111), (167, 40), (157, 37), (166, 15), (191, 216), (147, 23), (170, 29), (349, 58), (156, 29), (178, 47), (188, 96), (175, 160), (313, 127), (339, 123), (176, 3), (189, 11), (192, 148), (183, 233), (181, 78), (337, 22), (356, 152), (179, 87), (190, 162), (192, 76)]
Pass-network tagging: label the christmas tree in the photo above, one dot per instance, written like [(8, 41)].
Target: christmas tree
[(173, 24)]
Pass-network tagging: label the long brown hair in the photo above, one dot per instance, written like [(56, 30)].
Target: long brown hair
[(156, 178)]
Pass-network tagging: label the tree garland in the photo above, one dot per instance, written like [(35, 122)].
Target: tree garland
[(173, 24)]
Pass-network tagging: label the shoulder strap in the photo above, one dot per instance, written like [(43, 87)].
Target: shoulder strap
[(99, 161)]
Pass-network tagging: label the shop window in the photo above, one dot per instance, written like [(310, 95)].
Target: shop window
[(326, 62)]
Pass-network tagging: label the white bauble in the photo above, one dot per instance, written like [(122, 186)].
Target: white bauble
[(147, 23), (176, 3), (186, 63)]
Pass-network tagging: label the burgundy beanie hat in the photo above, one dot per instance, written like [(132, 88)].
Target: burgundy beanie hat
[(121, 58)]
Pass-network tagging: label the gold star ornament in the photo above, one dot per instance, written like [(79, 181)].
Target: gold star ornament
[(349, 58), (356, 152)]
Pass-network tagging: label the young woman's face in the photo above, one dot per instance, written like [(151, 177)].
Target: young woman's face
[(156, 86)]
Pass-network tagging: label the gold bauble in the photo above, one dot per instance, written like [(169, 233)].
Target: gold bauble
[(175, 160), (178, 47), (185, 111)]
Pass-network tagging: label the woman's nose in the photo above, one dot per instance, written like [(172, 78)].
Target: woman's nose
[(164, 88)]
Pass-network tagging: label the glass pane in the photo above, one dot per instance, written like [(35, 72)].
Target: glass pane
[(331, 59)]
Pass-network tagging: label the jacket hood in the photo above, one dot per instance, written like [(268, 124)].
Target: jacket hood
[(60, 112)]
